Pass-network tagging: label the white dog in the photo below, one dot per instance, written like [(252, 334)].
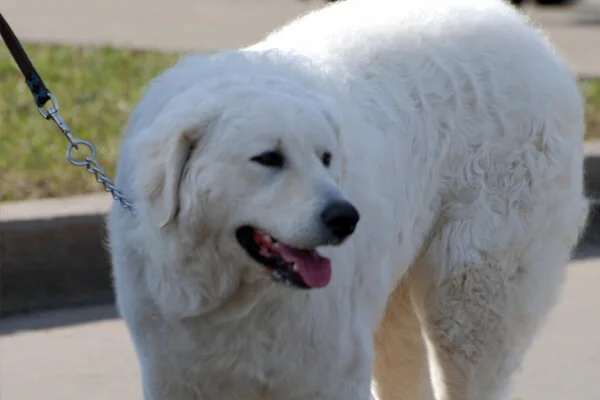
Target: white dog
[(431, 151)]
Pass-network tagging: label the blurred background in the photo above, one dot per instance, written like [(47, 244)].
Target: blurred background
[(60, 337)]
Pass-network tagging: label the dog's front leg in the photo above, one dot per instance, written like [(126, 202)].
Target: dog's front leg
[(355, 384), (161, 382), (347, 391), (157, 390)]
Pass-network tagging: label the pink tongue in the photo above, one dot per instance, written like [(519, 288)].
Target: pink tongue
[(314, 269)]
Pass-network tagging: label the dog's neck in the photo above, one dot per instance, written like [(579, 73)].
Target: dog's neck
[(240, 303)]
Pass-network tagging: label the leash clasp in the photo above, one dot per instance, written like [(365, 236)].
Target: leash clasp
[(51, 113)]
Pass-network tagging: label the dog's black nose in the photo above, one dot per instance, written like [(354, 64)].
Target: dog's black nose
[(340, 217)]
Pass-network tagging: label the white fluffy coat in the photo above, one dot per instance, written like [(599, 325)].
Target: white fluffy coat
[(457, 133)]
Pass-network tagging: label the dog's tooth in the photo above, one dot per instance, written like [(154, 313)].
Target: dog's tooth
[(295, 267), (267, 238), (277, 275), (276, 245)]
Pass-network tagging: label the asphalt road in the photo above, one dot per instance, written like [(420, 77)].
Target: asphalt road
[(87, 354), (184, 25)]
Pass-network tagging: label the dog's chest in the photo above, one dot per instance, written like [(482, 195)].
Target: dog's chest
[(277, 357)]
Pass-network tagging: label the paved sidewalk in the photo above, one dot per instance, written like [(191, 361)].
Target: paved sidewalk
[(87, 353), (183, 25)]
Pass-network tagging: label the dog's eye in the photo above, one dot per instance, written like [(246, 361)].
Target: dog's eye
[(326, 159), (269, 159)]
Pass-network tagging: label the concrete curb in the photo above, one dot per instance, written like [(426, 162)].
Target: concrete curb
[(52, 251), (52, 254)]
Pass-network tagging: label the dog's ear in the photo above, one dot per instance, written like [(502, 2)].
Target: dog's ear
[(162, 151), (161, 176)]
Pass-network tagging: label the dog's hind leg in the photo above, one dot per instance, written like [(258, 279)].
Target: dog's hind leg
[(479, 317), (400, 366)]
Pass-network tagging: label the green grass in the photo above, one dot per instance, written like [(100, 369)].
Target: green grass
[(96, 89), (591, 90)]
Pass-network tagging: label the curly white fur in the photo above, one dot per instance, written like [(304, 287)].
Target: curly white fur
[(457, 133)]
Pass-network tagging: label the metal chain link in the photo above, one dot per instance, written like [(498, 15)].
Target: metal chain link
[(89, 162)]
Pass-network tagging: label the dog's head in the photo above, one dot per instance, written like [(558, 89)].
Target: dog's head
[(250, 170)]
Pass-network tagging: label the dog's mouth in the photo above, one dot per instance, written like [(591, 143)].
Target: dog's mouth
[(302, 268)]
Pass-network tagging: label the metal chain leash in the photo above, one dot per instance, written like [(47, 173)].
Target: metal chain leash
[(42, 96), (89, 162)]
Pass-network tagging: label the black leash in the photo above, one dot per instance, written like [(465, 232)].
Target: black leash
[(41, 96)]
